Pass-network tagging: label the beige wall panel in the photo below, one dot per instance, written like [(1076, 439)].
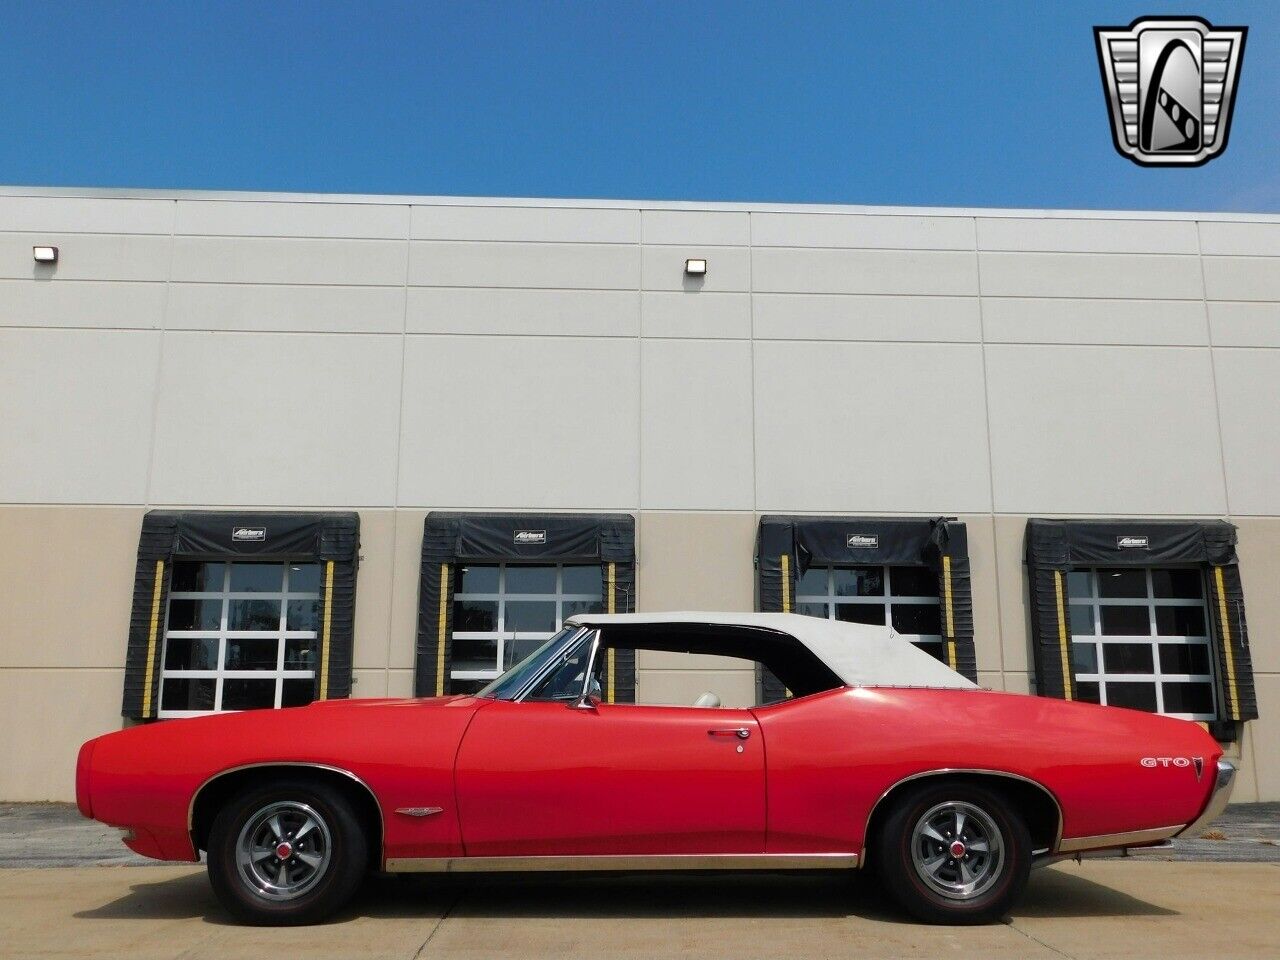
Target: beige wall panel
[(662, 660), (400, 683), (696, 314), (874, 454), (1240, 239), (68, 585), (1032, 320), (368, 683), (75, 425), (695, 415), (85, 303), (682, 227), (585, 313), (262, 218), (273, 307), (373, 588), (509, 422), (85, 257), (1060, 235), (1249, 409), (537, 224), (1090, 275), (290, 260), (86, 215), (735, 688), (696, 561), (403, 637), (277, 420), (1245, 324), (1243, 753), (1020, 683), (1015, 604), (1090, 429), (569, 266), (781, 316), (728, 269), (1265, 734), (58, 710), (1259, 553), (786, 270), (861, 230), (991, 680), (986, 607), (1242, 278)]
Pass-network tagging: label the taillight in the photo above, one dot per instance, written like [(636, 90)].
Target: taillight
[(83, 803)]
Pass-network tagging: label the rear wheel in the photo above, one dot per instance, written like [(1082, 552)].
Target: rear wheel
[(289, 852), (954, 853)]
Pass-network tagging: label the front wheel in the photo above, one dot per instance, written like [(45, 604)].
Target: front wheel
[(290, 852), (954, 854)]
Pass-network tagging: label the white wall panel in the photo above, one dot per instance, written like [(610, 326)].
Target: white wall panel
[(1099, 430), (695, 314), (501, 422), (682, 227), (565, 265), (784, 316), (1053, 234), (603, 313), (728, 269), (538, 224), (269, 260), (81, 303), (75, 415), (1245, 324), (1240, 239), (1091, 275), (86, 215), (1242, 278), (861, 230), (864, 271), (870, 427), (1030, 320), (85, 257), (1249, 398), (696, 447), (277, 420), (263, 218), (272, 307)]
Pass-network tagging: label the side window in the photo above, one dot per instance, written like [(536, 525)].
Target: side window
[(565, 681)]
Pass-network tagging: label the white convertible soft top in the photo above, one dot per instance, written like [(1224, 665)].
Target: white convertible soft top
[(859, 654)]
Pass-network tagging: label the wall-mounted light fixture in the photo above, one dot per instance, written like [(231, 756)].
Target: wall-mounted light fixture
[(695, 268), (45, 254)]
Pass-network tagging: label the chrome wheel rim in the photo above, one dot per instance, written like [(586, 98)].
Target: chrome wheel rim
[(283, 850), (957, 850)]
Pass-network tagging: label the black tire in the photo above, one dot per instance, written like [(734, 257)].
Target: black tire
[(905, 854), (336, 841)]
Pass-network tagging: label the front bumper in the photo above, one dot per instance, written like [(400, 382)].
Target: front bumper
[(1218, 799)]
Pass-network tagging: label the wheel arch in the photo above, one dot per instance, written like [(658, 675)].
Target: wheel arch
[(1037, 803), (220, 787)]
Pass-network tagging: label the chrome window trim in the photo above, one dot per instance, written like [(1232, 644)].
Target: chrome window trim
[(604, 863), (553, 662), (944, 771)]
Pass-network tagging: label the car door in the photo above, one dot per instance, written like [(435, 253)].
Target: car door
[(554, 779)]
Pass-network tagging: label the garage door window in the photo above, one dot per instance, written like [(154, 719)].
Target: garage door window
[(905, 598), (238, 636), (503, 612), (1140, 639)]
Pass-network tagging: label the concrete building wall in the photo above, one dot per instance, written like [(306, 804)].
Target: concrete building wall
[(401, 355)]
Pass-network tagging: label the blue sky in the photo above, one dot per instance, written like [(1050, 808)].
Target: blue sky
[(992, 103)]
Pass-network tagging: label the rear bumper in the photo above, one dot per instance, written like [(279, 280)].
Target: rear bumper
[(1223, 784)]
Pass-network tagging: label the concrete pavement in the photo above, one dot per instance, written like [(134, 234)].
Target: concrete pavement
[(1098, 909)]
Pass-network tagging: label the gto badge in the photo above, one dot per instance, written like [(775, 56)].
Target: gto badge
[(1174, 762)]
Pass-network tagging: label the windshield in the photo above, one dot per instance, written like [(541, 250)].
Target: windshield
[(509, 685)]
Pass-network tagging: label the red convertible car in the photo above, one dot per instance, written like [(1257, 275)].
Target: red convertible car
[(880, 758)]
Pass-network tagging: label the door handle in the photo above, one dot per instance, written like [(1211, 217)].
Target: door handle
[(740, 732)]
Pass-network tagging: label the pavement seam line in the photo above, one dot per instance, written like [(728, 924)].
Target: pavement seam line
[(439, 923), (1010, 924)]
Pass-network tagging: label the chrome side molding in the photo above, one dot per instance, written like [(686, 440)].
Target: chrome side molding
[(1104, 840), (724, 861), (419, 811)]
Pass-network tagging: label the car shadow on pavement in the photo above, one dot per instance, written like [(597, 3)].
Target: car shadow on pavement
[(1051, 893)]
